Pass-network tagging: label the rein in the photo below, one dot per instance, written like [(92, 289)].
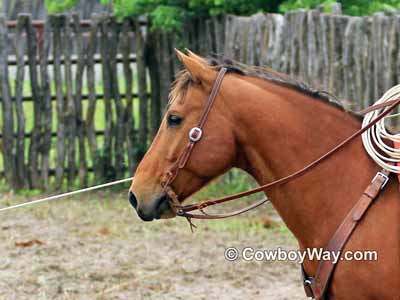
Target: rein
[(195, 135)]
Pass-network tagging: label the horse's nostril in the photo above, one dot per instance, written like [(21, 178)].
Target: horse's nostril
[(132, 199)]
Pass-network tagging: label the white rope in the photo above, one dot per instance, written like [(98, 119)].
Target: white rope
[(384, 155), (55, 197)]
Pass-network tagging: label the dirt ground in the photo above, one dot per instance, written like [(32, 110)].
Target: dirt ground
[(95, 247)]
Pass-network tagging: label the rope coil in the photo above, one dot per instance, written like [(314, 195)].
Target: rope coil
[(386, 156)]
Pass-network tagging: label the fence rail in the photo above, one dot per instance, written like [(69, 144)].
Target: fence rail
[(74, 60)]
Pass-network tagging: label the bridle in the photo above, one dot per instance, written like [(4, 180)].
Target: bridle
[(195, 135)]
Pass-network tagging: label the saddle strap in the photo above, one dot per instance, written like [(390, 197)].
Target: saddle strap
[(316, 287)]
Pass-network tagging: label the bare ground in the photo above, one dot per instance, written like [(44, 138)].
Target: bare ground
[(96, 248)]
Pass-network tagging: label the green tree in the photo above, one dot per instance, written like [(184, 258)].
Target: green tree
[(57, 6), (171, 14), (350, 7)]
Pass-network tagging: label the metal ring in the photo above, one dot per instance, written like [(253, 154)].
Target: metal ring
[(195, 134)]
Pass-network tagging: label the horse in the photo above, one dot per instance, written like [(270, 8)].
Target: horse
[(270, 125)]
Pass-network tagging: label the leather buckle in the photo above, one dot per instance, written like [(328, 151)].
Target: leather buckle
[(195, 134), (307, 282), (385, 179)]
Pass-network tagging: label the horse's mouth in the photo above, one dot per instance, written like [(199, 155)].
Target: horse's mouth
[(164, 209)]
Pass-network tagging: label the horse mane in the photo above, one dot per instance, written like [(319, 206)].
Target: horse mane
[(183, 80)]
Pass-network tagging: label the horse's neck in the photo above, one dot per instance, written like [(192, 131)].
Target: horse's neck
[(280, 131)]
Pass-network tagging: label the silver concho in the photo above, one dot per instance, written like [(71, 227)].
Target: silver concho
[(195, 134)]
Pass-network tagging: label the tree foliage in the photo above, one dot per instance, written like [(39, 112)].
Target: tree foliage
[(170, 15), (349, 7), (57, 6)]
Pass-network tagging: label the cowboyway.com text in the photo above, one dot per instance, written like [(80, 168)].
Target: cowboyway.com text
[(279, 254)]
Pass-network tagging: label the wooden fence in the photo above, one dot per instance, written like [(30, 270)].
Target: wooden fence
[(55, 66), (58, 66), (355, 58)]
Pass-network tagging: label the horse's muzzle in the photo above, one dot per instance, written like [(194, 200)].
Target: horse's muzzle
[(151, 210)]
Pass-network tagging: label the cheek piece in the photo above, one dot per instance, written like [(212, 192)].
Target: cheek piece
[(195, 135)]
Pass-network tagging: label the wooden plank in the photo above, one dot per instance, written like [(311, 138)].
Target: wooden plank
[(293, 53), (313, 59), (210, 36), (52, 172), (57, 23), (301, 39), (118, 136), (377, 21), (35, 142), (323, 37), (142, 87), (357, 69), (154, 74), (92, 98), (164, 68), (219, 29), (20, 76), (52, 134), (83, 97), (83, 23), (369, 70), (129, 109), (80, 125), (109, 124), (393, 50), (47, 110), (70, 113), (7, 109), (73, 60), (347, 58)]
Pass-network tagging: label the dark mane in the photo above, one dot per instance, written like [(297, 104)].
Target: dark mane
[(183, 80)]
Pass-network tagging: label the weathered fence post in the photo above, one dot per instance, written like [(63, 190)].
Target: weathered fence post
[(36, 97), (109, 171), (22, 173), (128, 119), (119, 139), (91, 110), (70, 112), (47, 111), (57, 22), (153, 63), (142, 87), (80, 123), (7, 110)]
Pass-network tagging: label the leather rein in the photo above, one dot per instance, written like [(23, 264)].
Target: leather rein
[(195, 135)]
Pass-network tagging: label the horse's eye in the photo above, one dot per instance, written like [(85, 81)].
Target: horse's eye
[(174, 120)]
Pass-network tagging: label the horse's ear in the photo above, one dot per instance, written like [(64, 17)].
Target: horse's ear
[(197, 66)]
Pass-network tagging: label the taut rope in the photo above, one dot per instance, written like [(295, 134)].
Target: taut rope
[(55, 197)]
